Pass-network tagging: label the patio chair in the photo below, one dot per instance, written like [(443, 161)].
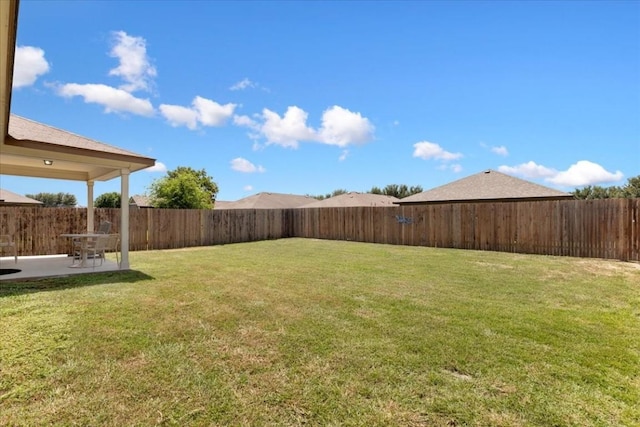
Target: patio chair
[(114, 246), (97, 249), (6, 241), (77, 242)]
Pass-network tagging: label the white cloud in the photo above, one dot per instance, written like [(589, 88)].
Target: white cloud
[(457, 168), (135, 67), (248, 188), (243, 84), (287, 130), (500, 151), (529, 170), (579, 174), (210, 113), (29, 64), (342, 127), (178, 115), (202, 111), (112, 99), (584, 173), (344, 155), (158, 167), (246, 121), (243, 165), (429, 150)]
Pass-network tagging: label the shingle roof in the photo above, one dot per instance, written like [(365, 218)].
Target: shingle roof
[(354, 199), (266, 201), (141, 201), (21, 128), (222, 204), (486, 185), (9, 198)]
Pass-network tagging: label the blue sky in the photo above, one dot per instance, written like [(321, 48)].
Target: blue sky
[(308, 97)]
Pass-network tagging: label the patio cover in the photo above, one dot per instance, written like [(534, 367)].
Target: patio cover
[(26, 145)]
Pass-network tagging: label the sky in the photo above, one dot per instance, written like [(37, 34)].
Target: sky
[(307, 97)]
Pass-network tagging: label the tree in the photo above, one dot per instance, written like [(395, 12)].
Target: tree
[(630, 190), (398, 191), (329, 195), (184, 188), (55, 200), (108, 200)]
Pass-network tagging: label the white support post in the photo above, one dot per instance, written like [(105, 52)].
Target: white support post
[(124, 218), (90, 226)]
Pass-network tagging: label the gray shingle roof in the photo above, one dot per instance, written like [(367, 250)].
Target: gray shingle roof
[(21, 128), (354, 199), (9, 198), (141, 201), (486, 185), (266, 201)]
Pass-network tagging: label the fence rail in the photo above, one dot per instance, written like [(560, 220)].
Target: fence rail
[(582, 228)]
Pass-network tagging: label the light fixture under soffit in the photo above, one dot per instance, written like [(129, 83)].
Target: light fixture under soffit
[(48, 162)]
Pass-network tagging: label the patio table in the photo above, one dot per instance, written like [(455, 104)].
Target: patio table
[(84, 237)]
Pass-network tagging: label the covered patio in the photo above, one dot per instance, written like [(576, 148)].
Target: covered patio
[(38, 267), (32, 149)]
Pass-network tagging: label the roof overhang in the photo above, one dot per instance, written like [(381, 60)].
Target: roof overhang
[(8, 31), (27, 158)]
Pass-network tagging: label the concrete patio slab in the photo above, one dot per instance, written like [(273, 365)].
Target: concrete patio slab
[(39, 267)]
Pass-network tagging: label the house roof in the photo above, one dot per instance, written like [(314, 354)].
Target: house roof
[(141, 201), (23, 129), (221, 204), (9, 198), (354, 199), (266, 201), (74, 157), (486, 185)]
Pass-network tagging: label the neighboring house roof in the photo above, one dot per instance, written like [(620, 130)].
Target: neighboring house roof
[(10, 198), (354, 199), (141, 201), (221, 204), (488, 185), (267, 201)]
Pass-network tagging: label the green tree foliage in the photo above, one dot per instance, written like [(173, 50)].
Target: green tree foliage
[(632, 189), (398, 191), (394, 190), (184, 188), (329, 195), (108, 200), (629, 190), (55, 200)]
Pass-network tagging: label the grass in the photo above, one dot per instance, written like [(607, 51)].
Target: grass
[(308, 332)]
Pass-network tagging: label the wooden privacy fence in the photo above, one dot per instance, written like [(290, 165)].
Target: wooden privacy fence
[(37, 230), (583, 228)]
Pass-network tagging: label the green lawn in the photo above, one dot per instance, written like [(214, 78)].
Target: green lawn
[(309, 332)]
